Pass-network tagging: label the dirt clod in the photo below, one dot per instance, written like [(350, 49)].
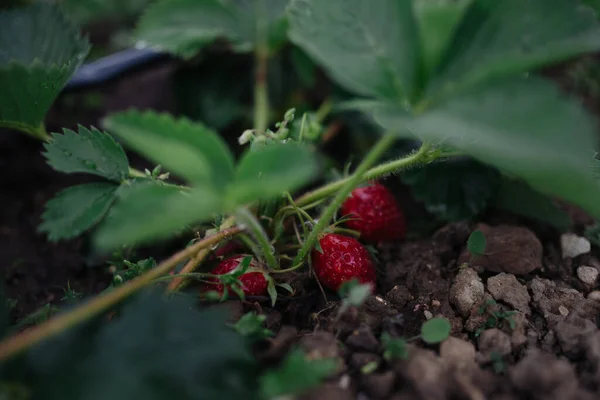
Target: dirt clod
[(322, 345), (494, 341), (398, 296), (359, 360), (511, 249), (363, 339), (467, 291), (555, 303), (457, 353), (426, 373), (572, 333), (505, 287), (379, 385), (556, 380)]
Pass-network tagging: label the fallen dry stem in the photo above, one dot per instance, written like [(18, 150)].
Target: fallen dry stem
[(20, 342)]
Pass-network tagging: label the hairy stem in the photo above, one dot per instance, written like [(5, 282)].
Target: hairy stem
[(250, 222), (386, 168), (342, 193), (261, 61), (178, 282), (18, 343)]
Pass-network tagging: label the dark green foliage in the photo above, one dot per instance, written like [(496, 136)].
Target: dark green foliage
[(454, 190), (154, 349)]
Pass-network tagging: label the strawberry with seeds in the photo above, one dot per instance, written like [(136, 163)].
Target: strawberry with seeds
[(342, 259), (374, 213), (253, 282)]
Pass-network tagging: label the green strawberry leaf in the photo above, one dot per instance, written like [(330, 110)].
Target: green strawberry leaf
[(90, 151), (499, 38), (272, 170), (523, 126), (295, 376), (370, 48), (77, 209), (185, 27), (156, 348), (454, 190), (519, 198), (86, 11), (437, 21), (188, 149), (150, 211), (40, 52)]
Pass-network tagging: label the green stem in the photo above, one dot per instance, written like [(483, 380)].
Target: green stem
[(379, 171), (19, 343), (261, 60), (136, 173), (342, 193), (324, 110), (255, 228)]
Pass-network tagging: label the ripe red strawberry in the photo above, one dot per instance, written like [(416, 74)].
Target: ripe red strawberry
[(343, 259), (375, 214), (253, 283)]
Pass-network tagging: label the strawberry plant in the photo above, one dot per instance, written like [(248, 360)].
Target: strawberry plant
[(457, 76)]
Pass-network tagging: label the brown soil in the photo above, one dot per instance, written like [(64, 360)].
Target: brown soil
[(550, 349)]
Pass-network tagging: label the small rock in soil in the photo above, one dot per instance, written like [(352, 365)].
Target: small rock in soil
[(505, 287), (572, 333), (359, 360), (426, 374), (467, 291), (542, 376), (450, 237), (594, 295), (494, 341), (511, 249), (379, 385), (363, 339), (587, 275), (399, 296), (457, 353), (573, 245)]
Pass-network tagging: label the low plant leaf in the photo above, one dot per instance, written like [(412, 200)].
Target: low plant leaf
[(523, 126), (90, 151), (188, 149), (184, 27), (296, 375), (272, 170), (151, 211), (40, 52), (370, 48), (499, 38), (435, 330), (77, 209), (517, 197), (454, 190), (477, 243), (157, 349)]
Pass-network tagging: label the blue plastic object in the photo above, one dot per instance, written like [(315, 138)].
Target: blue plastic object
[(112, 66)]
